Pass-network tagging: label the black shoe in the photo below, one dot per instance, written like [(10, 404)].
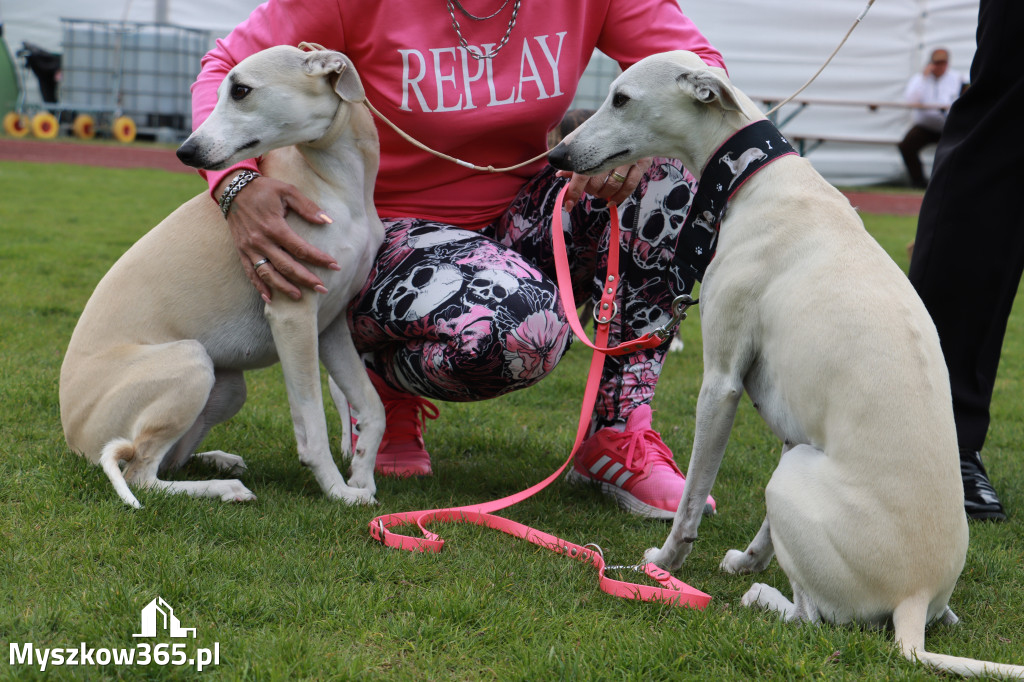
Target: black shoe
[(980, 501)]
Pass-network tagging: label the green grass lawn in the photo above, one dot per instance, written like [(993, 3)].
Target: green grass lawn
[(292, 587)]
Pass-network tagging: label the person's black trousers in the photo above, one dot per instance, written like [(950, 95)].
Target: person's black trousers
[(969, 251), (916, 139)]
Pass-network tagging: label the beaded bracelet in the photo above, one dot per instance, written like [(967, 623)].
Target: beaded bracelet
[(233, 188)]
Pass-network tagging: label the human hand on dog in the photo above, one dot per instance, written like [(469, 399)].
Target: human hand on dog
[(608, 186), (259, 230)]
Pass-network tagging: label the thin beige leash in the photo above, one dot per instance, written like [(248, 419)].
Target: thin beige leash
[(464, 164)]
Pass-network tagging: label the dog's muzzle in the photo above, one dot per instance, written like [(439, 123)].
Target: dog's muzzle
[(559, 157), (188, 153)]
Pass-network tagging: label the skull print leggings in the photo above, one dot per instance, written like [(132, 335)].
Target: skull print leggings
[(457, 315)]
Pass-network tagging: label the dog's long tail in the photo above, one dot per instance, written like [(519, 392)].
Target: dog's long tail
[(117, 451), (909, 621)]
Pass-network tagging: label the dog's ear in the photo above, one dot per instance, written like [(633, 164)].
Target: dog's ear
[(338, 68), (707, 87)]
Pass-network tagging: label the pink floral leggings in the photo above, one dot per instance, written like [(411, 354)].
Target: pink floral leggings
[(457, 315)]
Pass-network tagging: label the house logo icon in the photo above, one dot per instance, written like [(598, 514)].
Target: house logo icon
[(159, 612)]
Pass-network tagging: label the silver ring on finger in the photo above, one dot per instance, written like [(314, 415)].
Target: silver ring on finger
[(262, 261)]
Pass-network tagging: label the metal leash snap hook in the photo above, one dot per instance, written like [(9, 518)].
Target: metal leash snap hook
[(679, 307)]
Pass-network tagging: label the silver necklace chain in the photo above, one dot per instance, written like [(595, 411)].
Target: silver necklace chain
[(462, 40), (475, 17)]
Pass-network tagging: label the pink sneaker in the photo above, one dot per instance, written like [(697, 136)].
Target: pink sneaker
[(635, 467), (402, 453)]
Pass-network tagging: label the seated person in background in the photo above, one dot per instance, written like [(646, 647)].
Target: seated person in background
[(938, 85)]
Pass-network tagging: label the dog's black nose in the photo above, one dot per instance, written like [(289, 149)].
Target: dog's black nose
[(187, 153), (559, 157)]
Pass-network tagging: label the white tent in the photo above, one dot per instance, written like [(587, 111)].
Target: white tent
[(771, 48)]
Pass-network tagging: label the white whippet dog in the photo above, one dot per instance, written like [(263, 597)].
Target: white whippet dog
[(804, 310), (158, 355)]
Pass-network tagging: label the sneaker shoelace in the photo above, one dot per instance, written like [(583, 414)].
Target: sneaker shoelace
[(406, 417), (641, 447)]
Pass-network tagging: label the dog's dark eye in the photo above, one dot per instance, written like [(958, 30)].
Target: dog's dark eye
[(239, 91), (619, 100)]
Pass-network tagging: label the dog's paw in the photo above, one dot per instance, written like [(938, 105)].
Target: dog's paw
[(653, 556), (766, 597), (751, 596), (670, 556), (735, 562), (353, 496), (236, 492), (362, 497), (230, 464), (658, 557), (363, 480), (369, 486)]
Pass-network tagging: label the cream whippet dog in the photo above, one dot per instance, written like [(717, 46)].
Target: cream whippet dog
[(804, 310), (159, 353)]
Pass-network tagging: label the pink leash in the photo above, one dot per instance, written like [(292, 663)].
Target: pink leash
[(672, 590)]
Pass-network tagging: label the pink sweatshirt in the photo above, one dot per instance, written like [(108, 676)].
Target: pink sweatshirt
[(488, 112)]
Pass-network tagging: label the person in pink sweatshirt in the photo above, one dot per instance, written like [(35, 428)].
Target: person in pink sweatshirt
[(461, 304)]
